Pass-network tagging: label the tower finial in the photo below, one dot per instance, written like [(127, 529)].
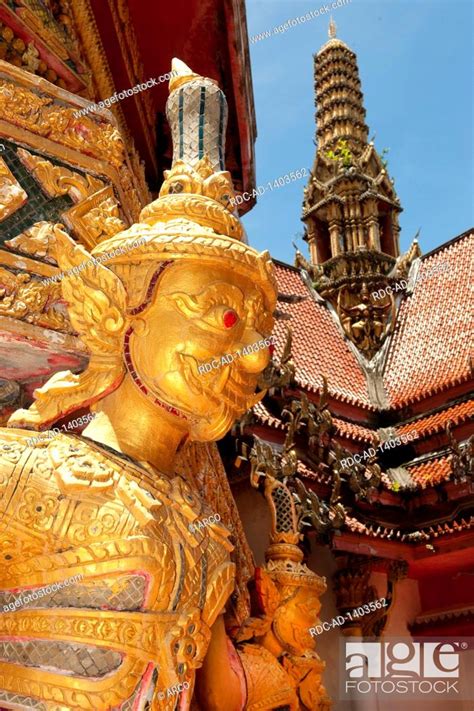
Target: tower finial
[(332, 29)]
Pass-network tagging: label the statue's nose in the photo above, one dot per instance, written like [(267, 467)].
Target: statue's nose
[(257, 353)]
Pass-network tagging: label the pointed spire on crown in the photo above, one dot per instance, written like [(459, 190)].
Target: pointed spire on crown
[(197, 114), (332, 29), (182, 74)]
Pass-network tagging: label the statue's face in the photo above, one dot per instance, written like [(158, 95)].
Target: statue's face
[(200, 314)]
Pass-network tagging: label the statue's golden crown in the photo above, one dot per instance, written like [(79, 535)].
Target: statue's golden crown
[(192, 217), (197, 193), (197, 186)]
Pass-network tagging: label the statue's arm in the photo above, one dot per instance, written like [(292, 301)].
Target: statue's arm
[(233, 679), (220, 682)]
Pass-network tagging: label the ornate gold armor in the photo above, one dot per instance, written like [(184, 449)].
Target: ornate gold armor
[(150, 589)]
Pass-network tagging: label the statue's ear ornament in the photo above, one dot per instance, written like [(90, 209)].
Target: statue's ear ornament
[(97, 309)]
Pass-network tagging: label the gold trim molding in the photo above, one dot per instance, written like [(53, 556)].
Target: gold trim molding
[(12, 195), (41, 116)]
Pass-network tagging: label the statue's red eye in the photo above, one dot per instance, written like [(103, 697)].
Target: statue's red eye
[(230, 318)]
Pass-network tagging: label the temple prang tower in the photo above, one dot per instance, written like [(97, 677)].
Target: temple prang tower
[(350, 206)]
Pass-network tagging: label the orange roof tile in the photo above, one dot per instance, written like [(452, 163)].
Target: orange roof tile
[(318, 346), (429, 351), (437, 422), (353, 431), (431, 347), (432, 472), (264, 416), (314, 474)]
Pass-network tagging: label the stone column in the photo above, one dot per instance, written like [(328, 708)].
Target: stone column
[(335, 224), (370, 212), (313, 251)]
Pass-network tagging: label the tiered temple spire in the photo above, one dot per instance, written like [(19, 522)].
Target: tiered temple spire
[(350, 203), (340, 114), (350, 207)]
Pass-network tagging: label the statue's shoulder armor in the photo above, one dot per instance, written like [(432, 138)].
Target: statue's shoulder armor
[(61, 494), (104, 555), (79, 469)]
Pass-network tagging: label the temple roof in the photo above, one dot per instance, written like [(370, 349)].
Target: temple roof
[(436, 422), (428, 352), (431, 348), (431, 472), (376, 530), (319, 348), (417, 385)]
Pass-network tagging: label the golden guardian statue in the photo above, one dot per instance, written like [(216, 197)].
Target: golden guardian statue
[(141, 626)]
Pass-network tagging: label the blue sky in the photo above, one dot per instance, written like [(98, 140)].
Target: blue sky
[(415, 63)]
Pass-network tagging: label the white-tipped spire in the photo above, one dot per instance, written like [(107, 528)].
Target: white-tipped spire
[(197, 114), (180, 74), (332, 29)]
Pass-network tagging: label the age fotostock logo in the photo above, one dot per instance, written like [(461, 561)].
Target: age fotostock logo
[(404, 667)]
